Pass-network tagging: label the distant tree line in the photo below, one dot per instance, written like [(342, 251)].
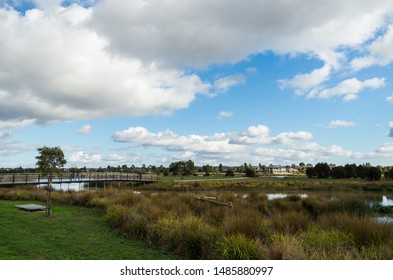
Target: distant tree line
[(365, 171), (188, 168)]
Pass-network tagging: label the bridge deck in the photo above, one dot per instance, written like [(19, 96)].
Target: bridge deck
[(40, 179)]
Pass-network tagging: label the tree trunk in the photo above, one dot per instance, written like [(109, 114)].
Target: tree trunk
[(47, 202), (48, 197)]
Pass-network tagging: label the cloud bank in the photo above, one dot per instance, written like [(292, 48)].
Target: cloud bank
[(101, 59)]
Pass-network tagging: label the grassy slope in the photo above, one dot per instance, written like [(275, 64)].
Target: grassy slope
[(70, 233)]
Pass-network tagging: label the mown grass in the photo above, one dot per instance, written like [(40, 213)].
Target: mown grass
[(316, 227), (70, 233)]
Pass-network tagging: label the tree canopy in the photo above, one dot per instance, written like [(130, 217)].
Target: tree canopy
[(50, 159)]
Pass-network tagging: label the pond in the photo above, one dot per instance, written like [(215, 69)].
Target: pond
[(381, 200)]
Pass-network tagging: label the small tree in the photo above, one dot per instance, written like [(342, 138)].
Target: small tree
[(50, 160)]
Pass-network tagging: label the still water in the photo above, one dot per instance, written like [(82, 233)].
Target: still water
[(383, 201), (68, 186)]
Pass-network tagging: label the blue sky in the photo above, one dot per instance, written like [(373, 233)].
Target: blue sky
[(134, 82)]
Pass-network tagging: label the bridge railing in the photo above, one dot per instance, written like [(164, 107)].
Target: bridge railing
[(38, 178)]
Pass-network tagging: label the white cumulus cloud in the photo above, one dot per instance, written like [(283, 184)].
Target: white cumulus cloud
[(222, 85), (389, 99), (349, 89), (225, 115), (304, 82), (230, 146), (54, 67), (341, 123), (82, 157), (380, 52), (86, 129)]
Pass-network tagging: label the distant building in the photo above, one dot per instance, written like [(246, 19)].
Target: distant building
[(278, 169)]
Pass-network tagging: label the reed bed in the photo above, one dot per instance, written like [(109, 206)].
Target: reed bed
[(254, 228)]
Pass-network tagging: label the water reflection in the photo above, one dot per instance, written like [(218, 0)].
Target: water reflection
[(384, 219), (271, 196), (386, 201), (66, 186)]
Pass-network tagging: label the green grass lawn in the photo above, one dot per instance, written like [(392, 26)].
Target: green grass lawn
[(70, 233)]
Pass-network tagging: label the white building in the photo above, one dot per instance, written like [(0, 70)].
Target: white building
[(278, 169)]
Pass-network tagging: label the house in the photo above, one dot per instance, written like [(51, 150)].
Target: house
[(278, 169)]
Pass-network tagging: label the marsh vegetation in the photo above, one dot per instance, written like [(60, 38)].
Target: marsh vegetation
[(301, 224)]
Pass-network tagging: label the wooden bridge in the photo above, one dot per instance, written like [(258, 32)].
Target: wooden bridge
[(68, 178)]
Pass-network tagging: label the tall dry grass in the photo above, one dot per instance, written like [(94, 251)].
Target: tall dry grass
[(255, 228)]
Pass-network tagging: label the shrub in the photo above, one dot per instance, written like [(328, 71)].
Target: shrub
[(239, 247)]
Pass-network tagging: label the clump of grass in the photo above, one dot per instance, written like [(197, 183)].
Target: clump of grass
[(247, 221), (326, 243), (15, 194), (364, 230), (239, 247), (215, 215), (350, 205), (285, 247), (150, 209), (280, 205), (188, 236), (173, 203), (135, 224), (100, 202), (63, 198), (291, 221), (116, 215), (380, 252), (82, 198), (313, 207)]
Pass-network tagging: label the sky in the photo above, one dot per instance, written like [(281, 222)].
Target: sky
[(134, 82)]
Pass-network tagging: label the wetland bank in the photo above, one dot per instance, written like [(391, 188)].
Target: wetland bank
[(269, 218)]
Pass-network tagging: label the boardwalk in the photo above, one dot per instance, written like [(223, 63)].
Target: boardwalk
[(64, 178)]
